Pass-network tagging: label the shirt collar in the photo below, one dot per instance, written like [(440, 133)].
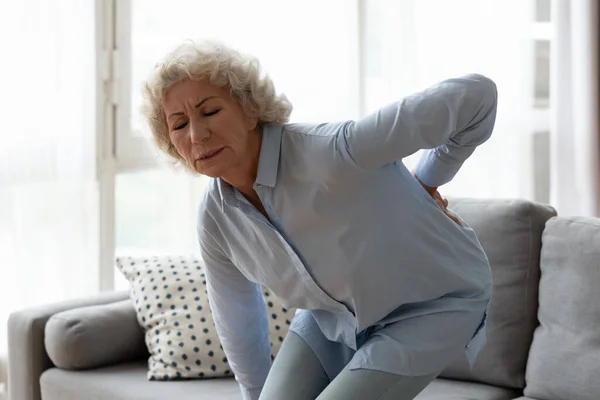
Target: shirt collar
[(268, 163), (270, 150)]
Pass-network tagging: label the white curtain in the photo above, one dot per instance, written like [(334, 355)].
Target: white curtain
[(415, 43), (575, 133), (407, 45), (48, 191)]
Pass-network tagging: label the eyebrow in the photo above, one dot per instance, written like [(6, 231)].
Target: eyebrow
[(196, 106)]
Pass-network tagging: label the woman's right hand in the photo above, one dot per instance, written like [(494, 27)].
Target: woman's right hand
[(442, 202)]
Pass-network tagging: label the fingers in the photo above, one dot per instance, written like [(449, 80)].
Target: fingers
[(436, 195), (431, 190), (443, 204), (453, 218), (440, 203)]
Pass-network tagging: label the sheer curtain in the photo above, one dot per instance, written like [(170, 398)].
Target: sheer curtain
[(575, 184), (48, 194), (315, 59), (311, 56), (48, 191), (415, 43)]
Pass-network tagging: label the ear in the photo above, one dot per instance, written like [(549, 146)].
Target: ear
[(251, 121)]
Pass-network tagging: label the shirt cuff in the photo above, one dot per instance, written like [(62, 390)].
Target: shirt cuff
[(433, 171), (250, 394)]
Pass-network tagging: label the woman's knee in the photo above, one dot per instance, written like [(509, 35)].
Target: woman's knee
[(296, 373)]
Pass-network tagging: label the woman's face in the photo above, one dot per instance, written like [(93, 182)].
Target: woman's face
[(209, 128)]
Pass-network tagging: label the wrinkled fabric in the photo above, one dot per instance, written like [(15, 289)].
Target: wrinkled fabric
[(353, 241)]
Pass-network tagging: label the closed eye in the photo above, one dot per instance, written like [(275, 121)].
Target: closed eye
[(180, 126), (209, 114)]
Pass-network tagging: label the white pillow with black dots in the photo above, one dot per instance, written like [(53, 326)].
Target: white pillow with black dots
[(169, 296)]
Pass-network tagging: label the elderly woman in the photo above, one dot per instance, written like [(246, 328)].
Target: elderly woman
[(390, 285)]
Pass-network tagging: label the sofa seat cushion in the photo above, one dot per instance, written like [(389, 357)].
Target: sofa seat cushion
[(129, 381), (445, 389)]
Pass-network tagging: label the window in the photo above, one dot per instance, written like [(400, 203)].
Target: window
[(542, 10), (347, 59), (541, 93), (542, 74), (156, 213), (48, 191), (412, 44), (293, 42), (155, 207)]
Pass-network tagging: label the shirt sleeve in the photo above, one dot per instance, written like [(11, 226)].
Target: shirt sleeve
[(449, 119), (240, 317)]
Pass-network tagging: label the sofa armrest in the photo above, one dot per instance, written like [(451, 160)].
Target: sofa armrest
[(95, 336), (27, 357)]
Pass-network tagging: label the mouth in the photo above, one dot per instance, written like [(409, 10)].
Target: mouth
[(210, 154)]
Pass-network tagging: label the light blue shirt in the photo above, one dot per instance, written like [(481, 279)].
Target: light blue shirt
[(381, 277)]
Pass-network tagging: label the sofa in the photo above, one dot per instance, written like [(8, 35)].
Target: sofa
[(543, 336)]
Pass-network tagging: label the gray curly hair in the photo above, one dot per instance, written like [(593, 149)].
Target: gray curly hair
[(222, 66)]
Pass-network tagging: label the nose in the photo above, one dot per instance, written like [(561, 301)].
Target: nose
[(199, 132)]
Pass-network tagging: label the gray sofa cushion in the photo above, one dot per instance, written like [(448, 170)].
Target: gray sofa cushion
[(510, 232), (94, 336), (564, 361), (443, 389), (128, 381)]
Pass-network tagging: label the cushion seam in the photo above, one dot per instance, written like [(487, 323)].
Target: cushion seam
[(528, 282), (572, 221)]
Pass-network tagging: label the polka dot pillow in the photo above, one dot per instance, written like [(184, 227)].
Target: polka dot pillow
[(169, 295)]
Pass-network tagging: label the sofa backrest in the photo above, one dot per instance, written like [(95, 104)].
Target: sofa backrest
[(510, 232), (564, 361)]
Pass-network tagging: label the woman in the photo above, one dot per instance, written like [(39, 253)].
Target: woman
[(390, 286)]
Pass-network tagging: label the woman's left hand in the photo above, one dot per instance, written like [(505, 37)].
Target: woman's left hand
[(442, 202)]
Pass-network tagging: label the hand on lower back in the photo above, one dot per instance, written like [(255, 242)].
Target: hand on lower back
[(442, 202)]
